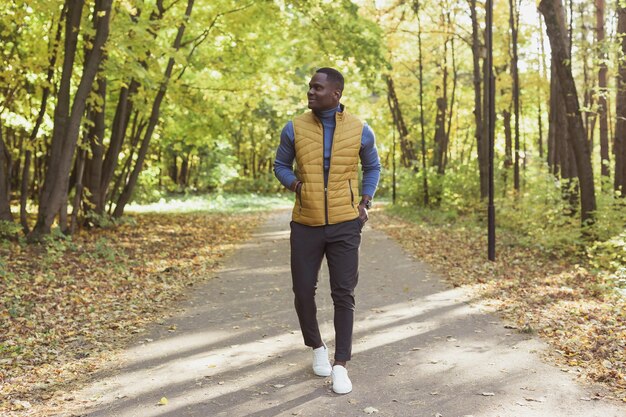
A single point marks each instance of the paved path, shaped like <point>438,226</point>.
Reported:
<point>420,349</point>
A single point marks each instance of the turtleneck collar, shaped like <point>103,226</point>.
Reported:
<point>329,114</point>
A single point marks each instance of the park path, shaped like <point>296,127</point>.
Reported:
<point>421,348</point>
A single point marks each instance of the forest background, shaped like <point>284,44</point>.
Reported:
<point>104,103</point>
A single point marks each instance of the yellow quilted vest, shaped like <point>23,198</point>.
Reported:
<point>338,202</point>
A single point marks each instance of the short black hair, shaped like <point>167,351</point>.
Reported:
<point>333,75</point>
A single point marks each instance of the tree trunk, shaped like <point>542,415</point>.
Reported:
<point>440,137</point>
<point>553,117</point>
<point>540,125</point>
<point>453,95</point>
<point>553,13</point>
<point>407,153</point>
<point>481,130</point>
<point>508,139</point>
<point>105,167</point>
<point>5,191</point>
<point>78,194</point>
<point>94,164</point>
<point>514,23</point>
<point>53,48</point>
<point>174,167</point>
<point>137,132</point>
<point>67,123</point>
<point>620,110</point>
<point>544,74</point>
<point>421,101</point>
<point>602,90</point>
<point>154,118</point>
<point>184,170</point>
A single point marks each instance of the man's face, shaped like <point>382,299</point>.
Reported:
<point>323,94</point>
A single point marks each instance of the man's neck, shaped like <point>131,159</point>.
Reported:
<point>328,114</point>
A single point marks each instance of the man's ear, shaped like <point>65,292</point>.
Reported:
<point>338,94</point>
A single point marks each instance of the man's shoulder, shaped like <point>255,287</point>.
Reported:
<point>353,122</point>
<point>288,130</point>
<point>305,116</point>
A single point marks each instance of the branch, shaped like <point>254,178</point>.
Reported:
<point>204,35</point>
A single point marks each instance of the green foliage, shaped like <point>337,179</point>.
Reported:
<point>57,243</point>
<point>265,183</point>
<point>103,249</point>
<point>610,254</point>
<point>456,191</point>
<point>538,216</point>
<point>9,230</point>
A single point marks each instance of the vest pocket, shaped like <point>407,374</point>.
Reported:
<point>300,197</point>
<point>351,193</point>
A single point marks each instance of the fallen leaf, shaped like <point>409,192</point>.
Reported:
<point>163,401</point>
<point>370,410</point>
<point>539,400</point>
<point>21,405</point>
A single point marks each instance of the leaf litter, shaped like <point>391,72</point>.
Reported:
<point>66,308</point>
<point>561,299</point>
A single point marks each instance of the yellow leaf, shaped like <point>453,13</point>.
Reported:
<point>163,401</point>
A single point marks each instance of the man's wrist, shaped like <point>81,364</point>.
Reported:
<point>366,201</point>
<point>294,185</point>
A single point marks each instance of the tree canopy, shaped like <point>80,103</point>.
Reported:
<point>103,102</point>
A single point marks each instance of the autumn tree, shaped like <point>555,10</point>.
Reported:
<point>67,116</point>
<point>553,13</point>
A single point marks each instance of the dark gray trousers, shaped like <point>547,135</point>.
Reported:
<point>340,243</point>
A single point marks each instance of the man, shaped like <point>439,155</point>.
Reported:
<point>327,143</point>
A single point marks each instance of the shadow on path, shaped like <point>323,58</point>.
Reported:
<point>420,348</point>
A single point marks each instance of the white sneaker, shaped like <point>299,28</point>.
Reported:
<point>341,382</point>
<point>321,364</point>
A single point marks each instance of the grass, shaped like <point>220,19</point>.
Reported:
<point>229,203</point>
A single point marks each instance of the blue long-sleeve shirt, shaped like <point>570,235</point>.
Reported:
<point>370,162</point>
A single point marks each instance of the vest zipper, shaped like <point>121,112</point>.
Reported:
<point>338,125</point>
<point>326,203</point>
